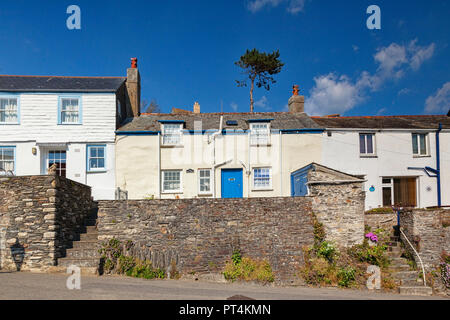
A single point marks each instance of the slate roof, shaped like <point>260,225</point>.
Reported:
<point>279,120</point>
<point>385,122</point>
<point>59,84</point>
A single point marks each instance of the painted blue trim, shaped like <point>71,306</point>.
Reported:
<point>14,96</point>
<point>80,108</point>
<point>259,120</point>
<point>301,131</point>
<point>14,156</point>
<point>438,165</point>
<point>137,133</point>
<point>58,93</point>
<point>171,121</point>
<point>88,167</point>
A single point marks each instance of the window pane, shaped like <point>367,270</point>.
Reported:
<point>8,110</point>
<point>101,152</point>
<point>171,180</point>
<point>205,180</point>
<point>69,110</point>
<point>423,146</point>
<point>415,144</point>
<point>362,144</point>
<point>369,143</point>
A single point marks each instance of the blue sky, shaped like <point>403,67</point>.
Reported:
<point>187,50</point>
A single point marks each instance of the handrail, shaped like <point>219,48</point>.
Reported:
<point>417,254</point>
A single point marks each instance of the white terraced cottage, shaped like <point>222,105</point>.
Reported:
<point>68,121</point>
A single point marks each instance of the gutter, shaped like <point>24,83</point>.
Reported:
<point>438,165</point>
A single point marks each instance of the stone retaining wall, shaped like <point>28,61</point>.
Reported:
<point>39,216</point>
<point>199,235</point>
<point>428,231</point>
<point>385,221</point>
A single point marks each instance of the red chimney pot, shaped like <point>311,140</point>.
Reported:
<point>296,90</point>
<point>133,63</point>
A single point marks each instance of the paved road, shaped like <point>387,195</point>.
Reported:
<point>53,286</point>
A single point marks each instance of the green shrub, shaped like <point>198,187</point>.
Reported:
<point>371,254</point>
<point>346,276</point>
<point>117,260</point>
<point>327,250</point>
<point>247,269</point>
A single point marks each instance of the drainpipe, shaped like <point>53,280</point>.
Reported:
<point>213,136</point>
<point>438,166</point>
<point>159,165</point>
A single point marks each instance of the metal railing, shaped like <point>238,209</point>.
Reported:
<point>417,254</point>
<point>121,194</point>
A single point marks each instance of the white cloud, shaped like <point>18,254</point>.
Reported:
<point>234,106</point>
<point>293,6</point>
<point>262,103</point>
<point>440,101</point>
<point>332,95</point>
<point>355,48</point>
<point>404,91</point>
<point>420,54</point>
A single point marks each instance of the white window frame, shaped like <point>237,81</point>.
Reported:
<point>17,109</point>
<point>13,148</point>
<point>180,190</point>
<point>427,144</point>
<point>164,134</point>
<point>374,149</point>
<point>255,187</point>
<point>60,111</point>
<point>210,181</point>
<point>255,137</point>
<point>89,157</point>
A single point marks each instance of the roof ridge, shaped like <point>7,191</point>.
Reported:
<point>83,77</point>
<point>214,113</point>
<point>374,117</point>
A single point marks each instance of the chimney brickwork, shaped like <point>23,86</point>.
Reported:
<point>196,107</point>
<point>296,102</point>
<point>133,85</point>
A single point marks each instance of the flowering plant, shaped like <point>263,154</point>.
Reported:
<point>445,273</point>
<point>372,236</point>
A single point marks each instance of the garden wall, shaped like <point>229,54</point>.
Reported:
<point>429,232</point>
<point>39,217</point>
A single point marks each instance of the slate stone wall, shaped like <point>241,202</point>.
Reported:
<point>339,206</point>
<point>385,221</point>
<point>39,216</point>
<point>429,232</point>
<point>199,235</point>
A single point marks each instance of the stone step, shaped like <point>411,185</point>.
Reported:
<point>406,275</point>
<point>416,291</point>
<point>89,236</point>
<point>81,263</point>
<point>88,229</point>
<point>84,270</point>
<point>92,244</point>
<point>411,283</point>
<point>399,268</point>
<point>82,254</point>
<point>393,244</point>
<point>394,238</point>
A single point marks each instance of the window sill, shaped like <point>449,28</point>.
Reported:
<point>422,156</point>
<point>171,192</point>
<point>260,145</point>
<point>265,189</point>
<point>97,171</point>
<point>368,156</point>
<point>172,146</point>
<point>70,124</point>
<point>205,194</point>
<point>9,124</point>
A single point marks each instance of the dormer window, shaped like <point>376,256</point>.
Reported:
<point>171,133</point>
<point>260,134</point>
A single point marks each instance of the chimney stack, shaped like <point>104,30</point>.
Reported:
<point>296,102</point>
<point>196,107</point>
<point>133,86</point>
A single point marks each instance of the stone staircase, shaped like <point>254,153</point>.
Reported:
<point>84,252</point>
<point>409,280</point>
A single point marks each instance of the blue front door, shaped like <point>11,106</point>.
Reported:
<point>232,186</point>
<point>298,183</point>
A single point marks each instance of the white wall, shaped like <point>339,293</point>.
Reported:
<point>137,161</point>
<point>39,126</point>
<point>393,157</point>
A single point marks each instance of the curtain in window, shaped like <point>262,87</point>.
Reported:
<point>7,159</point>
<point>69,110</point>
<point>8,110</point>
<point>171,181</point>
<point>205,180</point>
